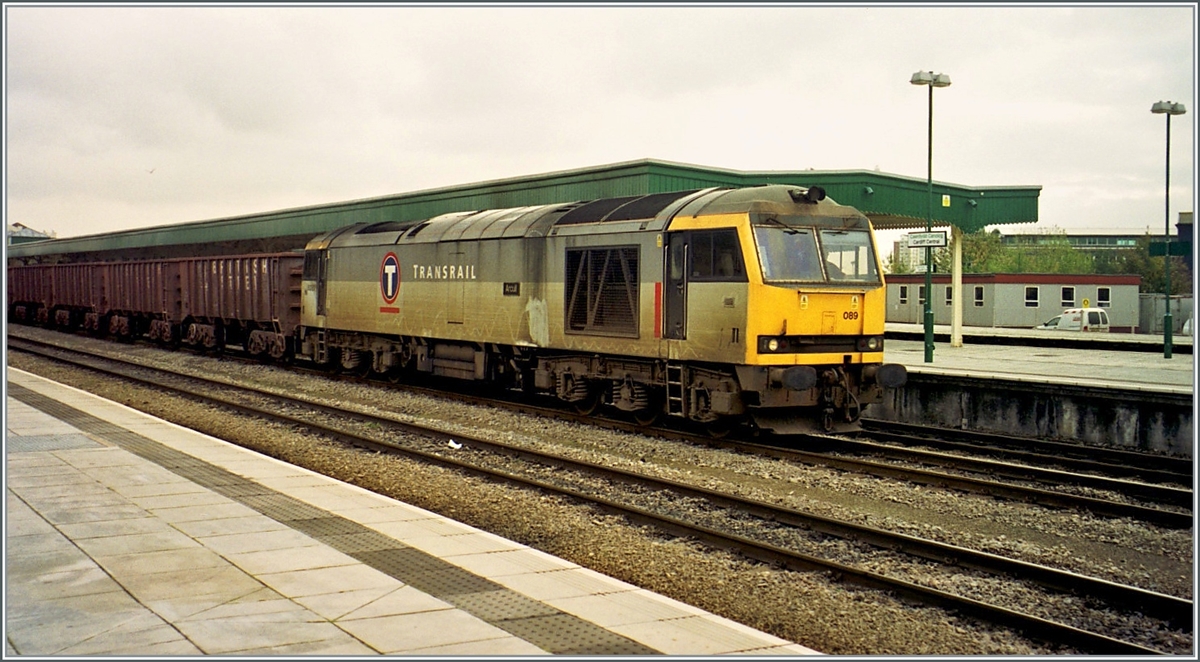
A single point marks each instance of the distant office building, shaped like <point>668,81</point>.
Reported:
<point>907,259</point>
<point>1095,242</point>
<point>1086,241</point>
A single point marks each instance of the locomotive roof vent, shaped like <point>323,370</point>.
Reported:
<point>812,194</point>
<point>629,208</point>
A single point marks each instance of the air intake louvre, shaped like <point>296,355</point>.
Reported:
<point>602,291</point>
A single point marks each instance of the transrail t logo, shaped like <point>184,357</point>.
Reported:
<point>389,277</point>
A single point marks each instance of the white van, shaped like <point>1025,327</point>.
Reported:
<point>1078,319</point>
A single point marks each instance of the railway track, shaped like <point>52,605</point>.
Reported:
<point>1036,483</point>
<point>1180,498</point>
<point>771,523</point>
<point>1147,467</point>
<point>1035,470</point>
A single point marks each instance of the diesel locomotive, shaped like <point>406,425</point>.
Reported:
<point>762,304</point>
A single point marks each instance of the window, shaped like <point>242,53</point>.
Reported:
<point>848,255</point>
<point>979,296</point>
<point>1068,296</point>
<point>316,266</point>
<point>949,295</point>
<point>1104,297</point>
<point>312,264</point>
<point>788,254</point>
<point>792,254</point>
<point>602,291</point>
<point>717,256</point>
<point>903,294</point>
<point>1031,297</point>
<point>921,295</point>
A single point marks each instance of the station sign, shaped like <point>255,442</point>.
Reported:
<point>926,240</point>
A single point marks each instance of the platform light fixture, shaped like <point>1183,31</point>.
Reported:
<point>931,80</point>
<point>1167,108</point>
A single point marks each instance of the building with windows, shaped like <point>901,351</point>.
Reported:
<point>1084,241</point>
<point>1015,300</point>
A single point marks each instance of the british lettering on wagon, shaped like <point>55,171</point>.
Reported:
<point>444,272</point>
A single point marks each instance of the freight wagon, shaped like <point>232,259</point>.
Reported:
<point>249,300</point>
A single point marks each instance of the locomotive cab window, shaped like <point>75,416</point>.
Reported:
<point>788,254</point>
<point>802,254</point>
<point>849,256</point>
<point>312,262</point>
<point>316,266</point>
<point>716,256</point>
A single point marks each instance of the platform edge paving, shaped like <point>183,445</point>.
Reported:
<point>536,622</point>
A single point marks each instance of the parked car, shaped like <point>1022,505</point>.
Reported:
<point>1078,319</point>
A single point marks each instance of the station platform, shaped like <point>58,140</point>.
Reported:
<point>1014,361</point>
<point>128,535</point>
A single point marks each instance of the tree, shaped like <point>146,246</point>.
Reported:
<point>896,265</point>
<point>981,252</point>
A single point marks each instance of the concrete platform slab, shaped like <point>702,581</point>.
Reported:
<point>131,536</point>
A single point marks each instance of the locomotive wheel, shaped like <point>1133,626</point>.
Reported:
<point>588,405</point>
<point>648,416</point>
<point>718,429</point>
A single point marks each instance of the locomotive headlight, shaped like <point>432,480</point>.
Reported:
<point>773,345</point>
<point>870,344</point>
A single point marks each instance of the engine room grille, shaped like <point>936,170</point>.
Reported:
<point>602,291</point>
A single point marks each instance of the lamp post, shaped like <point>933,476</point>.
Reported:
<point>932,80</point>
<point>1167,108</point>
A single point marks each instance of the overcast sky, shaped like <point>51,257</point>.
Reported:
<point>126,117</point>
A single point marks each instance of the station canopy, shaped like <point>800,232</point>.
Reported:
<point>890,201</point>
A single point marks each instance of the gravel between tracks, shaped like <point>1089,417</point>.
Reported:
<point>804,607</point>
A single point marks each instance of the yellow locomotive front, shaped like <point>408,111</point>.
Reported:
<point>814,312</point>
